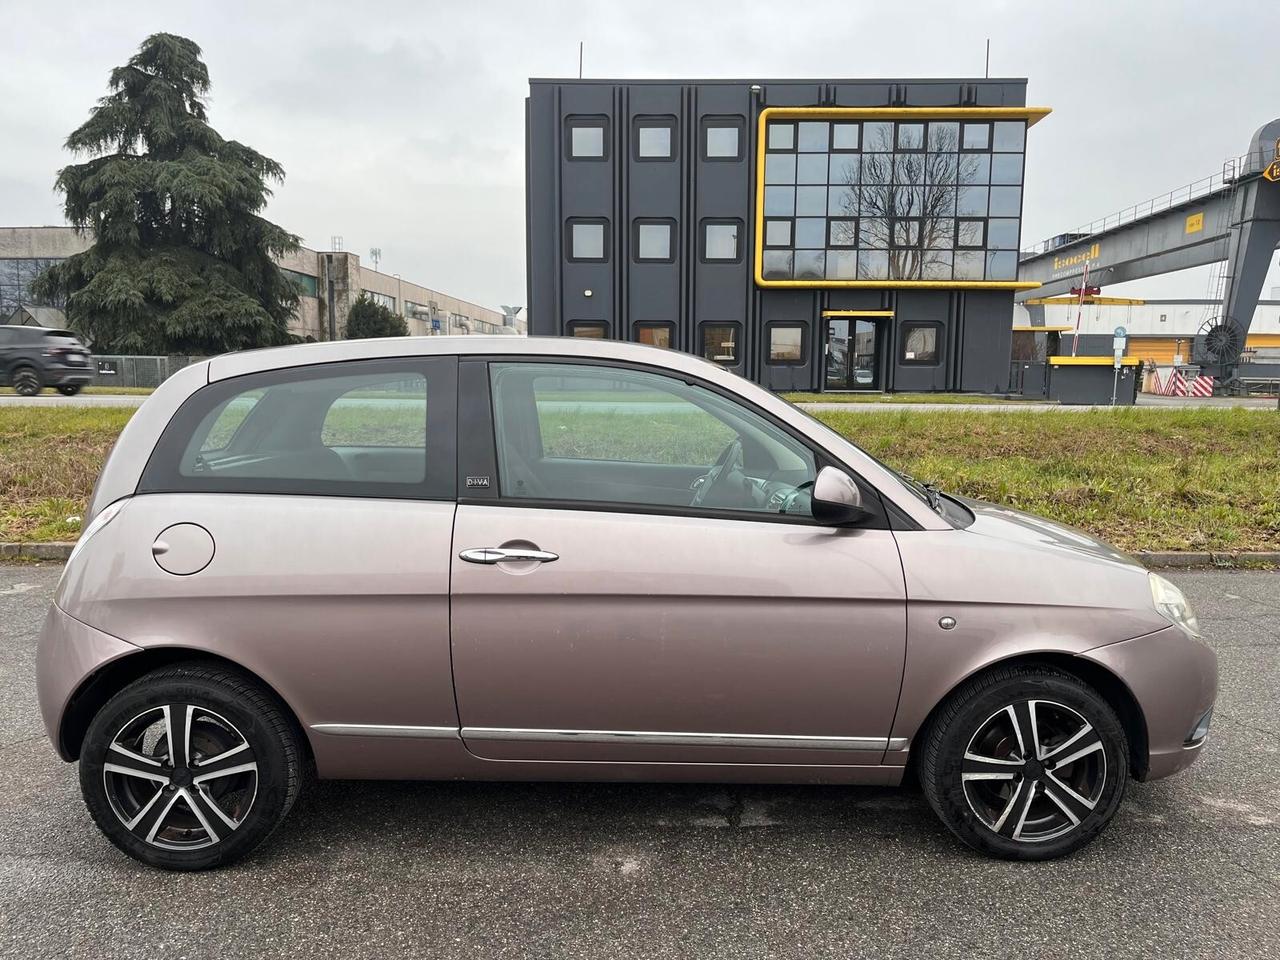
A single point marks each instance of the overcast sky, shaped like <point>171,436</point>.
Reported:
<point>400,125</point>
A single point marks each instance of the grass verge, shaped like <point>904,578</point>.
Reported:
<point>91,389</point>
<point>1206,479</point>
<point>960,398</point>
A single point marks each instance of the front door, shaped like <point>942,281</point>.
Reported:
<point>650,585</point>
<point>851,357</point>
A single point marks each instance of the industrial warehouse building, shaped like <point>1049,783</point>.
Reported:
<point>810,235</point>
<point>328,281</point>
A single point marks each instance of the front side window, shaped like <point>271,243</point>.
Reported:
<point>601,435</point>
<point>377,428</point>
<point>920,343</point>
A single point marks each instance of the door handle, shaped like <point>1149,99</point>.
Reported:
<point>500,554</point>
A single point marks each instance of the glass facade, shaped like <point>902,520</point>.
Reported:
<point>16,276</point>
<point>384,299</point>
<point>884,200</point>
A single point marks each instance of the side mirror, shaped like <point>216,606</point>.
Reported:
<point>837,501</point>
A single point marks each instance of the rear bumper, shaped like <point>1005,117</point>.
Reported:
<point>1174,679</point>
<point>59,374</point>
<point>68,654</point>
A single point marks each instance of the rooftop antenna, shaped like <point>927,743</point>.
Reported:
<point>579,59</point>
<point>987,70</point>
<point>375,254</point>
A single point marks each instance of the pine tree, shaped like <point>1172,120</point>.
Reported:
<point>181,260</point>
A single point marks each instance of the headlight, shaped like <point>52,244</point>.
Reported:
<point>1173,605</point>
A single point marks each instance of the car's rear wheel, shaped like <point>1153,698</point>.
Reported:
<point>69,389</point>
<point>26,381</point>
<point>1025,763</point>
<point>190,767</point>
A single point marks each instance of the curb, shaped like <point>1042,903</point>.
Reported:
<point>1168,559</point>
<point>59,551</point>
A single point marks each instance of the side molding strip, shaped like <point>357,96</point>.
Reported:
<point>767,741</point>
<point>384,730</point>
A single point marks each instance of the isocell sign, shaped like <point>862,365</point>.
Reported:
<point>1077,259</point>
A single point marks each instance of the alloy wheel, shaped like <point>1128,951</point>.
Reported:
<point>180,777</point>
<point>26,383</point>
<point>1034,770</point>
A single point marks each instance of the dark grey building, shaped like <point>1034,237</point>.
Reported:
<point>811,235</point>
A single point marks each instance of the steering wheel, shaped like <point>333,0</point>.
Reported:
<point>728,463</point>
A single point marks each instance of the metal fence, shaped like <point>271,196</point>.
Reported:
<point>124,371</point>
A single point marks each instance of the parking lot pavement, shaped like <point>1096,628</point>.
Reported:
<point>1189,868</point>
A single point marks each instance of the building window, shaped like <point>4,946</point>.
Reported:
<point>975,136</point>
<point>720,343</point>
<point>786,343</point>
<point>916,189</point>
<point>970,234</point>
<point>722,138</point>
<point>845,136</point>
<point>586,138</point>
<point>589,329</point>
<point>655,334</point>
<point>721,241</point>
<point>781,136</point>
<point>653,240</point>
<point>655,138</point>
<point>777,233</point>
<point>308,286</point>
<point>920,343</point>
<point>382,299</point>
<point>588,240</point>
<point>842,232</point>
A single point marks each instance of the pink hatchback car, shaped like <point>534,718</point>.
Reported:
<point>506,559</point>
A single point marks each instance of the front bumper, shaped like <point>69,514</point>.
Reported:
<point>68,654</point>
<point>1174,679</point>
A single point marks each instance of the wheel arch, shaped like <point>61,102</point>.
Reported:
<point>1111,688</point>
<point>112,677</point>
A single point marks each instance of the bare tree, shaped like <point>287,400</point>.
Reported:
<point>905,202</point>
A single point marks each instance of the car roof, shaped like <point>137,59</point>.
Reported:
<point>28,328</point>
<point>275,358</point>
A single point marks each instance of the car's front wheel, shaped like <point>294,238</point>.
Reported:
<point>190,767</point>
<point>1025,763</point>
<point>26,382</point>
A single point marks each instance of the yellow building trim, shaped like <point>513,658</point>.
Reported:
<point>1093,361</point>
<point>1072,301</point>
<point>1262,340</point>
<point>857,313</point>
<point>1023,328</point>
<point>1030,114</point>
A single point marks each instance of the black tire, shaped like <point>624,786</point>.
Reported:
<point>226,709</point>
<point>69,389</point>
<point>1066,804</point>
<point>27,381</point>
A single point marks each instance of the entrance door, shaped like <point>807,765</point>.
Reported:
<point>851,357</point>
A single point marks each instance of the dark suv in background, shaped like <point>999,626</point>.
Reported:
<point>36,357</point>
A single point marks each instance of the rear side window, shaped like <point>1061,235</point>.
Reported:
<point>373,428</point>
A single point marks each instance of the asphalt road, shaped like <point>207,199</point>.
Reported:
<point>1189,868</point>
